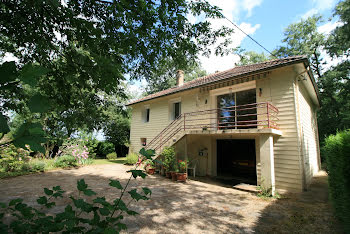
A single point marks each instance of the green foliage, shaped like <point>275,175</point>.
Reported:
<point>37,166</point>
<point>132,158</point>
<point>112,156</point>
<point>252,57</point>
<point>168,155</point>
<point>104,148</point>
<point>95,215</point>
<point>338,43</point>
<point>66,161</point>
<point>337,151</point>
<point>303,38</point>
<point>149,163</point>
<point>164,76</point>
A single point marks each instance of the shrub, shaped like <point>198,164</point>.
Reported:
<point>112,156</point>
<point>132,158</point>
<point>337,153</point>
<point>37,166</point>
<point>76,148</point>
<point>104,148</point>
<point>66,161</point>
<point>169,160</point>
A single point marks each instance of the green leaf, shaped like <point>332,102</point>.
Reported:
<point>121,226</point>
<point>131,212</point>
<point>89,192</point>
<point>101,200</point>
<point>48,191</point>
<point>31,134</point>
<point>104,211</point>
<point>147,153</point>
<point>81,204</point>
<point>136,173</point>
<point>81,185</point>
<point>2,205</point>
<point>30,73</point>
<point>38,103</point>
<point>57,188</point>
<point>121,205</point>
<point>4,128</point>
<point>135,195</point>
<point>15,201</point>
<point>51,204</point>
<point>116,184</point>
<point>110,230</point>
<point>8,71</point>
<point>147,191</point>
<point>42,200</point>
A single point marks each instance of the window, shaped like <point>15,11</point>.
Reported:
<point>177,110</point>
<point>147,115</point>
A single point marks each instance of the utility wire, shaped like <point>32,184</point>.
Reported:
<point>249,36</point>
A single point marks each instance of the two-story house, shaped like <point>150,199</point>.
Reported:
<point>256,122</point>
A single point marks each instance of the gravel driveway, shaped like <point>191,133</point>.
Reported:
<point>193,207</point>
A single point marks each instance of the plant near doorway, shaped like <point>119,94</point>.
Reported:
<point>182,174</point>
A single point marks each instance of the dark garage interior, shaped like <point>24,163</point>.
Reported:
<point>236,161</point>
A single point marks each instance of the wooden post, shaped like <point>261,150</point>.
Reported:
<point>184,121</point>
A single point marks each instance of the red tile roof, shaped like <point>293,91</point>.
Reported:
<point>231,73</point>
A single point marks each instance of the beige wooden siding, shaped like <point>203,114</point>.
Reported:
<point>278,88</point>
<point>160,116</point>
<point>308,131</point>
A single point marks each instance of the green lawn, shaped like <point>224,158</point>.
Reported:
<point>106,161</point>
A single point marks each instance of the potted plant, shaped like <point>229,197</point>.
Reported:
<point>174,173</point>
<point>169,158</point>
<point>182,175</point>
<point>149,167</point>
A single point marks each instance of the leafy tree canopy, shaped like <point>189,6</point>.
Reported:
<point>73,53</point>
<point>252,57</point>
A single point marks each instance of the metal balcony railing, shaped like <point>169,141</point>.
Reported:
<point>254,115</point>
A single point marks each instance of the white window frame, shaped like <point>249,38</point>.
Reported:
<point>171,112</point>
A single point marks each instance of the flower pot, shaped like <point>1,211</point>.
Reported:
<point>168,174</point>
<point>173,176</point>
<point>181,177</point>
<point>162,171</point>
<point>151,171</point>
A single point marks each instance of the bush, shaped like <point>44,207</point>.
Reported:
<point>169,161</point>
<point>37,166</point>
<point>112,156</point>
<point>104,148</point>
<point>132,158</point>
<point>337,154</point>
<point>66,161</point>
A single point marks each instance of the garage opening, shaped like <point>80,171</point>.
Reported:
<point>236,160</point>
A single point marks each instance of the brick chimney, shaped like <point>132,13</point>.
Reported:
<point>179,78</point>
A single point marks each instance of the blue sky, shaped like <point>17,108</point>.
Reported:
<point>275,16</point>
<point>265,21</point>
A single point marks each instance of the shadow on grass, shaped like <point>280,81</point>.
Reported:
<point>107,161</point>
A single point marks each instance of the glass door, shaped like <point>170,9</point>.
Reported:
<point>233,111</point>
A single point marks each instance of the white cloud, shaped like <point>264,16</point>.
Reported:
<point>319,6</point>
<point>248,5</point>
<point>328,27</point>
<point>231,9</point>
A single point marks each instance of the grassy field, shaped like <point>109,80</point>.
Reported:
<point>106,161</point>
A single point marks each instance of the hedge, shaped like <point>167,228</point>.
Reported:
<point>337,153</point>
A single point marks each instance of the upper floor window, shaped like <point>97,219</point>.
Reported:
<point>146,114</point>
<point>177,110</point>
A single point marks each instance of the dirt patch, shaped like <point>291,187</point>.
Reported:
<point>193,207</point>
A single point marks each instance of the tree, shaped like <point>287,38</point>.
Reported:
<point>339,40</point>
<point>164,76</point>
<point>302,38</point>
<point>252,57</point>
<point>78,51</point>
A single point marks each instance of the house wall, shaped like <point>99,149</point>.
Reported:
<point>279,89</point>
<point>160,115</point>
<point>308,133</point>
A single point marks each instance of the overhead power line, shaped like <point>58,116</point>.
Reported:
<point>249,36</point>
